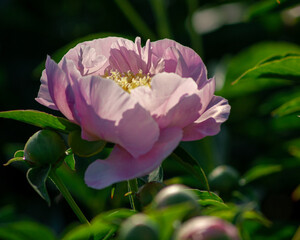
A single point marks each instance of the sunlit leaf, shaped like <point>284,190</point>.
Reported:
<point>272,74</point>
<point>70,161</point>
<point>40,119</point>
<point>37,178</point>
<point>86,232</point>
<point>255,54</point>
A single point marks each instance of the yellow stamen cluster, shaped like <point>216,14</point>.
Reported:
<point>129,80</point>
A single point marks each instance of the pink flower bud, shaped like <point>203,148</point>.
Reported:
<point>207,228</point>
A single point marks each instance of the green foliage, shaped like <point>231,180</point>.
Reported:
<point>37,178</point>
<point>40,119</point>
<point>25,230</point>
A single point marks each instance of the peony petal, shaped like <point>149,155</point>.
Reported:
<point>59,88</point>
<point>206,93</point>
<point>102,50</point>
<point>44,97</point>
<point>195,67</point>
<point>107,112</point>
<point>209,122</point>
<point>172,100</point>
<point>120,165</point>
<point>128,56</point>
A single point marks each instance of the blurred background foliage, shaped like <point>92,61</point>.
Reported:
<point>256,42</point>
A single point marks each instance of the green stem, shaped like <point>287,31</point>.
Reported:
<point>196,40</point>
<point>65,192</point>
<point>137,22</point>
<point>162,20</point>
<point>133,188</point>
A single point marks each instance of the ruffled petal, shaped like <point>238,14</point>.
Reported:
<point>44,97</point>
<point>165,49</point>
<point>59,88</point>
<point>120,165</point>
<point>106,111</point>
<point>128,56</point>
<point>96,64</point>
<point>209,122</point>
<point>171,100</point>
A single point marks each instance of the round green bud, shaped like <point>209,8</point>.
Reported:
<point>175,194</point>
<point>223,178</point>
<point>84,148</point>
<point>44,147</point>
<point>137,227</point>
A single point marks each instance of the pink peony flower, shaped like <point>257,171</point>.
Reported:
<point>207,228</point>
<point>144,99</point>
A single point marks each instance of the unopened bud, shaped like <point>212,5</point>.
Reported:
<point>44,147</point>
<point>207,228</point>
<point>137,227</point>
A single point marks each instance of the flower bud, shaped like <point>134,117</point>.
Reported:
<point>175,194</point>
<point>84,148</point>
<point>223,178</point>
<point>44,147</point>
<point>137,227</point>
<point>207,228</point>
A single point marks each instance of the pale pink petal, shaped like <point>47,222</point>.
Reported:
<point>44,97</point>
<point>102,50</point>
<point>209,122</point>
<point>106,111</point>
<point>59,88</point>
<point>120,165</point>
<point>128,56</point>
<point>171,100</point>
<point>206,93</point>
<point>164,49</point>
<point>90,61</point>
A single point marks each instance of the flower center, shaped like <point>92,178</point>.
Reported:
<point>129,80</point>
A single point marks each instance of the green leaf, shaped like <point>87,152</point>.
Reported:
<point>102,226</point>
<point>271,74</point>
<point>260,171</point>
<point>25,230</point>
<point>167,218</point>
<point>208,198</point>
<point>205,195</point>
<point>268,168</point>
<point>70,161</point>
<point>190,164</point>
<point>114,217</point>
<point>40,119</point>
<point>37,179</point>
<point>255,54</point>
<point>289,107</point>
<point>256,216</point>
